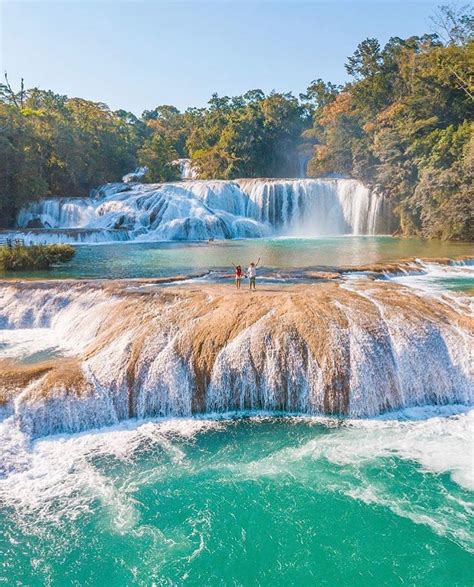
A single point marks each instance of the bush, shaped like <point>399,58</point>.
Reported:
<point>21,257</point>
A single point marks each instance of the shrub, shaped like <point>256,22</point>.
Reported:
<point>21,257</point>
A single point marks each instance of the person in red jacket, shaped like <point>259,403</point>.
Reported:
<point>238,275</point>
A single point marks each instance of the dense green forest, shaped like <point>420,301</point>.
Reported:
<point>403,125</point>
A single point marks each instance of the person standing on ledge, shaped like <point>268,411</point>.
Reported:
<point>252,273</point>
<point>238,275</point>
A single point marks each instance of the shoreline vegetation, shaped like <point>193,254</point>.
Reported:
<point>20,257</point>
<point>403,125</point>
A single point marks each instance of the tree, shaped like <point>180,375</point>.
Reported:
<point>403,125</point>
<point>157,154</point>
<point>319,94</point>
<point>366,60</point>
<point>454,24</point>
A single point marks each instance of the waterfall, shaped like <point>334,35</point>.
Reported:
<point>58,213</point>
<point>135,175</point>
<point>79,355</point>
<point>303,159</point>
<point>199,210</point>
<point>314,207</point>
<point>186,168</point>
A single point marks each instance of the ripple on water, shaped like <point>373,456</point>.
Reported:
<point>168,498</point>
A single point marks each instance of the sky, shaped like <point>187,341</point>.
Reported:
<point>137,55</point>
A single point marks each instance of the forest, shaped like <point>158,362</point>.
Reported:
<point>403,125</point>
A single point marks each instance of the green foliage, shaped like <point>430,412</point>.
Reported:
<point>366,61</point>
<point>157,154</point>
<point>443,200</point>
<point>403,125</point>
<point>247,136</point>
<point>454,24</point>
<point>20,257</point>
<point>319,94</point>
<point>53,145</point>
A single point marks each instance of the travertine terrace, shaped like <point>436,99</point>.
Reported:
<point>128,348</point>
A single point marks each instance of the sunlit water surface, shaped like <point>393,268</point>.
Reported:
<point>125,260</point>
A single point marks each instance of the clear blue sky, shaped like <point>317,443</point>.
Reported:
<point>137,55</point>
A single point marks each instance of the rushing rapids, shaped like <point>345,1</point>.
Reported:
<point>199,210</point>
<point>77,355</point>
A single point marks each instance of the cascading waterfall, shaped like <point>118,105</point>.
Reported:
<point>135,175</point>
<point>314,207</point>
<point>186,168</point>
<point>199,210</point>
<point>58,213</point>
<point>80,355</point>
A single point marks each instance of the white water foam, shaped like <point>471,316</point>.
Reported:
<point>56,479</point>
<point>433,277</point>
<point>438,442</point>
<point>186,168</point>
<point>385,355</point>
<point>199,210</point>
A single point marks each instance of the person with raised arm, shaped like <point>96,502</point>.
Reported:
<point>252,274</point>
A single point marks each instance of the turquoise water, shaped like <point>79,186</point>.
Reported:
<point>123,260</point>
<point>257,501</point>
<point>442,278</point>
<point>262,501</point>
<point>460,284</point>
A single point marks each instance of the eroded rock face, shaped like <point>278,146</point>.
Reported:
<point>357,348</point>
